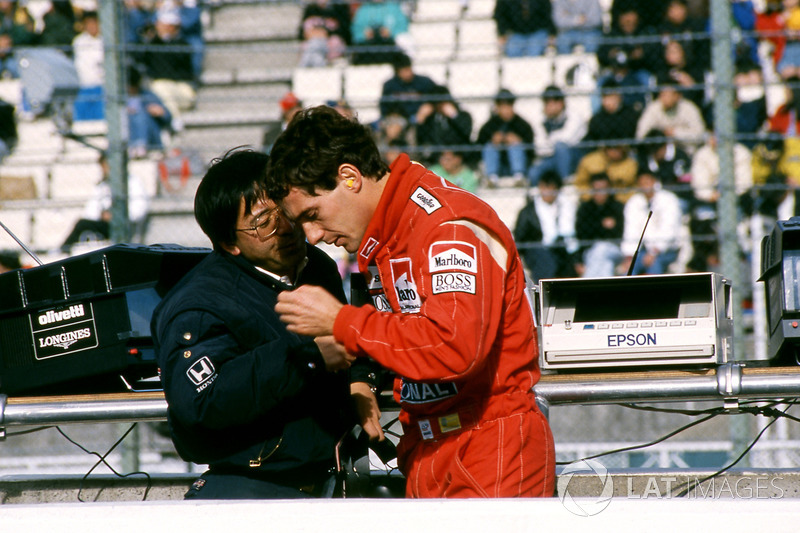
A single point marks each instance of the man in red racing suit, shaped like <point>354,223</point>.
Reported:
<point>451,317</point>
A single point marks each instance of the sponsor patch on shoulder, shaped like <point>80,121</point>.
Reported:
<point>425,200</point>
<point>368,247</point>
<point>452,255</point>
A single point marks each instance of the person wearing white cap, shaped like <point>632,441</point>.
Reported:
<point>168,63</point>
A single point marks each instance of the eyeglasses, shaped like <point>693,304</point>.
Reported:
<point>266,224</point>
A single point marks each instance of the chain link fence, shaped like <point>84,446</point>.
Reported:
<point>568,117</point>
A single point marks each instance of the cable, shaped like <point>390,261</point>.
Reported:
<point>26,431</point>
<point>690,485</point>
<point>651,443</point>
<point>102,460</point>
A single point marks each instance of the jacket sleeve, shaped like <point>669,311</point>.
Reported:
<point>458,319</point>
<point>215,376</point>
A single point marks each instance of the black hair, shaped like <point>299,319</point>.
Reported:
<point>315,143</point>
<point>551,177</point>
<point>599,176</point>
<point>237,175</point>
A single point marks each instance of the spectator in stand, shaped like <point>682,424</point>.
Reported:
<point>380,29</point>
<point>290,105</point>
<point>95,223</point>
<point>9,64</point>
<point>579,22</point>
<point>59,26</point>
<point>168,63</point>
<point>88,55</point>
<point>769,27</point>
<point>615,119</point>
<point>324,31</point>
<point>629,42</point>
<point>780,152</point>
<point>662,241</point>
<point>148,118</point>
<point>506,140</point>
<point>789,65</point>
<point>524,27</point>
<point>650,14</point>
<point>613,159</point>
<point>545,230</point>
<point>406,91</point>
<point>191,30</point>
<point>745,43</point>
<point>705,171</point>
<point>17,22</point>
<point>691,33</point>
<point>556,136</point>
<point>750,103</point>
<point>667,162</point>
<point>598,227</point>
<point>689,77</point>
<point>633,82</point>
<point>441,125</point>
<point>451,167</point>
<point>676,116</point>
<point>139,18</point>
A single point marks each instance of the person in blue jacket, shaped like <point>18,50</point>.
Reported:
<point>262,407</point>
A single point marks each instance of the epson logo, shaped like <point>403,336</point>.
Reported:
<point>66,339</point>
<point>54,317</point>
<point>452,261</point>
<point>641,339</point>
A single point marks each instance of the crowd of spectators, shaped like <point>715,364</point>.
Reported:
<point>647,142</point>
<point>163,70</point>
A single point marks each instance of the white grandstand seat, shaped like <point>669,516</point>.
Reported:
<point>436,71</point>
<point>480,111</point>
<point>11,91</point>
<point>470,79</point>
<point>52,225</point>
<point>531,109</point>
<point>433,41</point>
<point>577,71</point>
<point>39,173</point>
<point>317,85</point>
<point>147,171</point>
<point>477,39</point>
<point>436,10</point>
<point>18,221</point>
<point>74,181</point>
<point>363,84</point>
<point>580,104</point>
<point>38,140</point>
<point>479,9</point>
<point>368,114</point>
<point>526,76</point>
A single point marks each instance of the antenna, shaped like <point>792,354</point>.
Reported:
<point>639,246</point>
<point>28,250</point>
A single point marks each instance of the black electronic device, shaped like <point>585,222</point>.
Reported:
<point>82,324</point>
<point>780,271</point>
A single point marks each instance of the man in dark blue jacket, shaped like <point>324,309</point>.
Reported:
<point>264,408</point>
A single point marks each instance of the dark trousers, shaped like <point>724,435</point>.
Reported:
<point>214,486</point>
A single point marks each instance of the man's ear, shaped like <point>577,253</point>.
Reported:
<point>350,176</point>
<point>230,248</point>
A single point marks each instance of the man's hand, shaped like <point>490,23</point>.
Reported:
<point>368,412</point>
<point>308,310</point>
<point>336,358</point>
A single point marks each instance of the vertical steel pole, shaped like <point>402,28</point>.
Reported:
<point>111,28</point>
